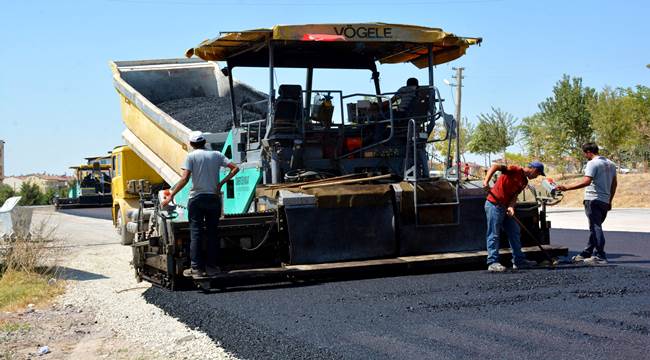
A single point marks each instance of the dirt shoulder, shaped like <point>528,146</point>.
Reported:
<point>102,313</point>
<point>61,332</point>
<point>633,191</point>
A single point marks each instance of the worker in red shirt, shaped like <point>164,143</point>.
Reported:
<point>500,208</point>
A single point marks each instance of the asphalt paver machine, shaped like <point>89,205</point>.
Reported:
<point>91,187</point>
<point>330,181</point>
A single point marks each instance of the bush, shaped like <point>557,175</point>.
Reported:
<point>31,194</point>
<point>5,193</point>
<point>30,251</point>
<point>28,267</point>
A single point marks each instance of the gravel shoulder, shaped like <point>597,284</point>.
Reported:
<point>103,313</point>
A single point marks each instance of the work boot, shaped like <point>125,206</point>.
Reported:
<point>212,270</point>
<point>596,260</point>
<point>524,264</point>
<point>194,273</point>
<point>496,267</point>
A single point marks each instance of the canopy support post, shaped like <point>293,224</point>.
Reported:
<point>309,85</point>
<point>271,88</point>
<point>235,123</point>
<point>432,97</point>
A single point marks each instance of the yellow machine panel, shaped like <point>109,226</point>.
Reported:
<point>122,173</point>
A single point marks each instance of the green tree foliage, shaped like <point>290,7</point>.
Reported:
<point>637,107</point>
<point>566,119</point>
<point>618,119</point>
<point>31,194</point>
<point>5,193</point>
<point>611,122</point>
<point>536,136</point>
<point>466,131</point>
<point>494,133</point>
<point>519,159</point>
<point>48,195</point>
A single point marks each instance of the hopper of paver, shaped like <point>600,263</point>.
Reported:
<point>162,101</point>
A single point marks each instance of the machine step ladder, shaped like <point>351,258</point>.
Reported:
<point>411,175</point>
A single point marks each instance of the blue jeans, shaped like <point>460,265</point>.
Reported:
<point>204,211</point>
<point>496,221</point>
<point>596,211</point>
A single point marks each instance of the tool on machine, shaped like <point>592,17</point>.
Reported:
<point>550,186</point>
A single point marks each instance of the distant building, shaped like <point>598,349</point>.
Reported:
<point>44,181</point>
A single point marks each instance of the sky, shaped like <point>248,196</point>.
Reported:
<point>58,104</point>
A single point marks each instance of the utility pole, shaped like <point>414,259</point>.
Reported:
<point>459,87</point>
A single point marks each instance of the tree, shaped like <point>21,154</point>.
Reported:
<point>31,194</point>
<point>566,117</point>
<point>611,123</point>
<point>519,159</point>
<point>637,106</point>
<point>5,193</point>
<point>48,195</point>
<point>494,133</point>
<point>466,131</point>
<point>535,136</point>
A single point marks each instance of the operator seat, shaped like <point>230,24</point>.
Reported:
<point>419,107</point>
<point>288,112</point>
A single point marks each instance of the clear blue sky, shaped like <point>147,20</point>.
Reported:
<point>58,105</point>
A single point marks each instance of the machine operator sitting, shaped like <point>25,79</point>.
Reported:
<point>404,97</point>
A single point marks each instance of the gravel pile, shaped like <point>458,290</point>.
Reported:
<point>214,114</point>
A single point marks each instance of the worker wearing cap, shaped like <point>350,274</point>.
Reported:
<point>500,208</point>
<point>204,205</point>
<point>600,186</point>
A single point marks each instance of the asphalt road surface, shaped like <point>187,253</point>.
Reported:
<point>622,247</point>
<point>577,313</point>
<point>574,312</point>
<point>95,213</point>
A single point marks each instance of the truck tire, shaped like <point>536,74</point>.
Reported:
<point>126,238</point>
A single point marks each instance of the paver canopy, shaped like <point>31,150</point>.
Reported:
<point>334,46</point>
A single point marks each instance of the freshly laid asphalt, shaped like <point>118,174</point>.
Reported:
<point>576,313</point>
<point>565,313</point>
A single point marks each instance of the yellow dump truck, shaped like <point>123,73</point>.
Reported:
<point>128,168</point>
<point>329,180</point>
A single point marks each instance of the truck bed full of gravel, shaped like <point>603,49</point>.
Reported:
<point>213,114</point>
